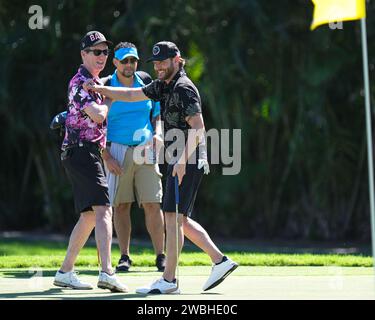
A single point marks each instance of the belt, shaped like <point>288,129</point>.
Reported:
<point>86,145</point>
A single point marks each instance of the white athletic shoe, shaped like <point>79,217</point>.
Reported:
<point>70,280</point>
<point>219,272</point>
<point>111,282</point>
<point>160,286</point>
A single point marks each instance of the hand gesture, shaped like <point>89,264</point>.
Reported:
<point>89,85</point>
<point>113,166</point>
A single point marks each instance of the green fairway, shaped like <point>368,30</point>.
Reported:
<point>50,254</point>
<point>243,284</point>
<point>27,269</point>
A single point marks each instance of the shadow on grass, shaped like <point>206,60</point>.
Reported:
<point>62,294</point>
<point>210,294</point>
<point>25,274</point>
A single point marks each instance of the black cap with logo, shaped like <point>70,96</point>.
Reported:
<point>164,50</point>
<point>93,38</point>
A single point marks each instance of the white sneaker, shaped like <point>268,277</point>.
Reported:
<point>219,272</point>
<point>111,282</point>
<point>70,280</point>
<point>160,286</point>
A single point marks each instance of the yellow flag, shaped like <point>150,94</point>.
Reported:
<point>327,11</point>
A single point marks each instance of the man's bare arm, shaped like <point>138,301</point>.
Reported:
<point>97,112</point>
<point>112,164</point>
<point>156,124</point>
<point>120,94</point>
<point>195,136</point>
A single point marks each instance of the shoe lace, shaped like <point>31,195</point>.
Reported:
<point>73,275</point>
<point>159,280</point>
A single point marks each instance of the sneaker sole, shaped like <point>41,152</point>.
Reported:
<point>122,269</point>
<point>157,291</point>
<point>64,285</point>
<point>217,282</point>
<point>105,285</point>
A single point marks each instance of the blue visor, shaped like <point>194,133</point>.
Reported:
<point>123,53</point>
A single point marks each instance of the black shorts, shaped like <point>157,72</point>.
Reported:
<point>85,170</point>
<point>187,190</point>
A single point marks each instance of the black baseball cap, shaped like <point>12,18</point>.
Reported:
<point>93,38</point>
<point>164,50</point>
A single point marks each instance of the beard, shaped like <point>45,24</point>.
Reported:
<point>167,73</point>
<point>127,74</point>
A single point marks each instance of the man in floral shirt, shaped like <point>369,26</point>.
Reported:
<point>85,138</point>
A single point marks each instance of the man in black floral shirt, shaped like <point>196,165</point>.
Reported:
<point>181,111</point>
<point>85,137</point>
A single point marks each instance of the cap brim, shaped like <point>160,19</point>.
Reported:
<point>101,41</point>
<point>157,59</point>
<point>127,55</point>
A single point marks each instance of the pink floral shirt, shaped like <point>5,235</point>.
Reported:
<point>78,126</point>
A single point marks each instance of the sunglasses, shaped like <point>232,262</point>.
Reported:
<point>129,60</point>
<point>98,52</point>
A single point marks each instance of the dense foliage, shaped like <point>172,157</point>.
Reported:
<point>297,95</point>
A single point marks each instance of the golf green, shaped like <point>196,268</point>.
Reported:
<point>245,283</point>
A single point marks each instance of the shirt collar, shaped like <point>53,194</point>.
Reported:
<point>86,73</point>
<point>180,73</point>
<point>118,83</point>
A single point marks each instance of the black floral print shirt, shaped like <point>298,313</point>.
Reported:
<point>178,100</point>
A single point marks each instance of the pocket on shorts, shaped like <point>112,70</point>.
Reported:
<point>66,154</point>
<point>96,156</point>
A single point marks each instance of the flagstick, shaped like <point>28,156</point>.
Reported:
<point>369,134</point>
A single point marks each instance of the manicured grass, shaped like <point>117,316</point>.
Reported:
<point>246,283</point>
<point>48,254</point>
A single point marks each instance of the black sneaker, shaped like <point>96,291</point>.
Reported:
<point>124,264</point>
<point>160,262</point>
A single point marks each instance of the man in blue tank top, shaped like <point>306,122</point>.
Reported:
<point>132,127</point>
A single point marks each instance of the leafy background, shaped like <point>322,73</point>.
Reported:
<point>296,95</point>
